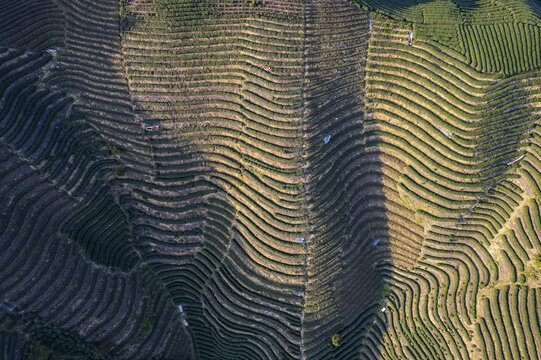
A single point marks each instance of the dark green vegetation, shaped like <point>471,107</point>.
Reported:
<point>304,183</point>
<point>493,36</point>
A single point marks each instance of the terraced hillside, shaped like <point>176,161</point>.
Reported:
<point>66,253</point>
<point>461,136</point>
<point>270,179</point>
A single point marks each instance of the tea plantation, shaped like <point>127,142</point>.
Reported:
<point>270,179</point>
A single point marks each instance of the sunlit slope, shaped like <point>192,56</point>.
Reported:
<point>259,125</point>
<point>493,36</point>
<point>481,12</point>
<point>224,84</point>
<point>461,134</point>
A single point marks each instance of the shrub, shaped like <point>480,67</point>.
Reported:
<point>335,339</point>
<point>145,329</point>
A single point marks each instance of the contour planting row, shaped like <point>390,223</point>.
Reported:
<point>223,91</point>
<point>506,205</point>
<point>231,138</point>
<point>509,48</point>
<point>441,12</point>
<point>459,174</point>
<point>520,121</point>
<point>37,27</point>
<point>33,116</point>
<point>13,346</point>
<point>216,286</point>
<point>509,326</point>
<point>46,273</point>
<point>338,191</point>
<point>69,156</point>
<point>412,298</point>
<point>90,67</point>
<point>216,160</point>
<point>36,124</point>
<point>501,144</point>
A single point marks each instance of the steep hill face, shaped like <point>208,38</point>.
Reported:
<point>469,144</point>
<point>260,120</point>
<point>306,179</point>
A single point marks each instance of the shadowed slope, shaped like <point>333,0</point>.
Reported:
<point>65,243</point>
<point>90,70</point>
<point>343,180</point>
<point>31,25</point>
